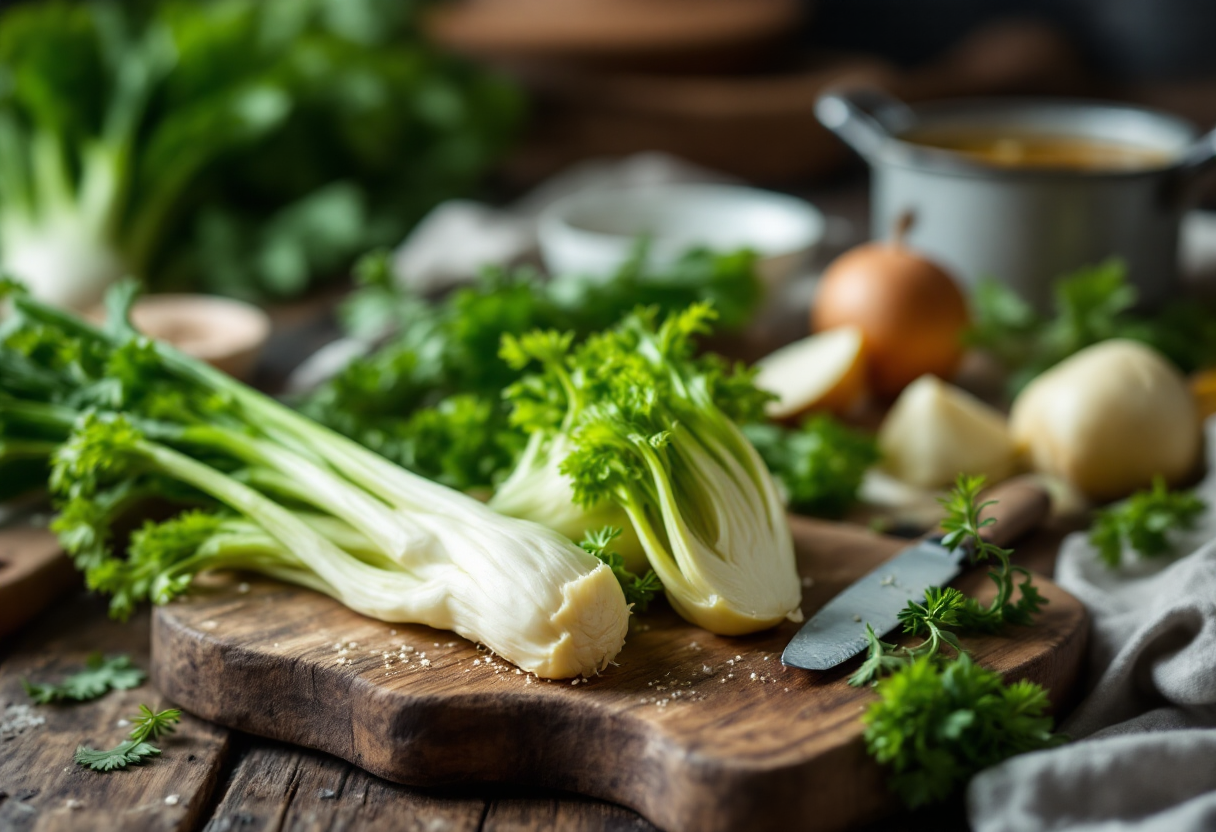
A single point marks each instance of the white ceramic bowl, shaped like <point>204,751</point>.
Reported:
<point>593,232</point>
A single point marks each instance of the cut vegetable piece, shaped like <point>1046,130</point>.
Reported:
<point>823,372</point>
<point>634,419</point>
<point>1110,419</point>
<point>936,431</point>
<point>272,492</point>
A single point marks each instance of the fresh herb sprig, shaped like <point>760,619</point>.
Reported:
<point>936,724</point>
<point>1092,304</point>
<point>149,725</point>
<point>936,721</point>
<point>821,464</point>
<point>100,675</point>
<point>1143,523</point>
<point>946,612</point>
<point>639,590</point>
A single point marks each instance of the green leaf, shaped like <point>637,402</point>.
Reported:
<point>639,590</point>
<point>129,752</point>
<point>99,676</point>
<point>151,725</point>
<point>135,750</point>
<point>881,658</point>
<point>821,464</point>
<point>933,727</point>
<point>1143,523</point>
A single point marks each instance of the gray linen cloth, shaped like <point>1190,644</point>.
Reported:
<point>1145,756</point>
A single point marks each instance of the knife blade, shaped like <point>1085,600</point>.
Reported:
<point>838,631</point>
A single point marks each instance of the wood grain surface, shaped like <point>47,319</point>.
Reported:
<point>33,571</point>
<point>42,789</point>
<point>694,731</point>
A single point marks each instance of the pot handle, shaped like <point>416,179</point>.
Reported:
<point>1199,159</point>
<point>864,118</point>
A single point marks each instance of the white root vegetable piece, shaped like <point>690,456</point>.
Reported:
<point>826,371</point>
<point>936,431</point>
<point>1109,419</point>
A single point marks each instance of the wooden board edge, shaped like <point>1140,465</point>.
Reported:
<point>427,741</point>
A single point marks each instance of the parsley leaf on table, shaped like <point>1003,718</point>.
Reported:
<point>935,726</point>
<point>99,676</point>
<point>1143,522</point>
<point>128,752</point>
<point>149,725</point>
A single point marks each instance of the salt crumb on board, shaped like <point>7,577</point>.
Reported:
<point>18,719</point>
<point>173,799</point>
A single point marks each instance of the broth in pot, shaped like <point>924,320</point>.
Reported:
<point>1019,149</point>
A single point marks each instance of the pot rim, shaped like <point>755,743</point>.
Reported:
<point>898,152</point>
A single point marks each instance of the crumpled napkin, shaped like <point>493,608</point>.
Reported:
<point>453,242</point>
<point>1145,759</point>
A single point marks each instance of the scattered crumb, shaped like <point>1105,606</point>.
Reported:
<point>738,658</point>
<point>707,670</point>
<point>209,624</point>
<point>326,794</point>
<point>575,682</point>
<point>74,804</point>
<point>450,644</point>
<point>857,618</point>
<point>341,660</point>
<point>477,662</point>
<point>172,799</point>
<point>18,719</point>
<point>276,644</point>
<point>694,646</point>
<point>889,580</point>
<point>754,677</point>
<point>241,588</point>
<point>425,662</point>
<point>122,723</point>
<point>518,672</point>
<point>392,632</point>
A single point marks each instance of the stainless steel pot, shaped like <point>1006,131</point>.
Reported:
<point>1027,226</point>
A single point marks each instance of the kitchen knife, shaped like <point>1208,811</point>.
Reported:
<point>837,632</point>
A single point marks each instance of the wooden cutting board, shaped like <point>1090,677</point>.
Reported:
<point>33,571</point>
<point>694,731</point>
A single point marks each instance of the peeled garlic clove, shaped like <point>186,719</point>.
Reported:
<point>935,431</point>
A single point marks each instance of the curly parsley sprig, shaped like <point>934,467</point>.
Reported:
<point>936,724</point>
<point>947,611</point>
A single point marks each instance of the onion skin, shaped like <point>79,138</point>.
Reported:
<point>1109,419</point>
<point>911,313</point>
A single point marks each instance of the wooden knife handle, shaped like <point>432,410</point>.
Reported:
<point>1022,506</point>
